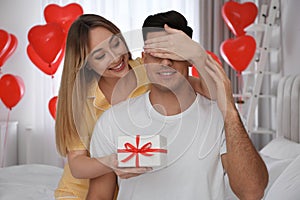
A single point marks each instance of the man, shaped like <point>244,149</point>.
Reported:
<point>206,139</point>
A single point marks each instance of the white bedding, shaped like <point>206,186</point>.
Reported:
<point>38,182</point>
<point>287,185</point>
<point>282,158</point>
<point>29,182</point>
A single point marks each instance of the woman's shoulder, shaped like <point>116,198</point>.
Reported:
<point>139,71</point>
<point>136,62</point>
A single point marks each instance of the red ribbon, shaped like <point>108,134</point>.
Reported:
<point>135,151</point>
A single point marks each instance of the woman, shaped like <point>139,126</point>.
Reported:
<point>97,61</point>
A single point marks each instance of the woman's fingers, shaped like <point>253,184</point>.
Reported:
<point>162,51</point>
<point>165,38</point>
<point>158,45</point>
<point>157,40</point>
<point>170,30</point>
<point>163,55</point>
<point>129,172</point>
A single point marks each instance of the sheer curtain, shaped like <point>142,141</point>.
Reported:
<point>213,32</point>
<point>128,15</point>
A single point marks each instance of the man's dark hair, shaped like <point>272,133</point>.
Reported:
<point>173,19</point>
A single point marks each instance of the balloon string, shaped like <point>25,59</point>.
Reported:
<point>53,85</point>
<point>5,139</point>
<point>240,87</point>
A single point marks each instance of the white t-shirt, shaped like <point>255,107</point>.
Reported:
<point>195,140</point>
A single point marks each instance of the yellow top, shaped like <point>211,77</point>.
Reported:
<point>70,187</point>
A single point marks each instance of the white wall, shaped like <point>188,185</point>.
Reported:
<point>290,36</point>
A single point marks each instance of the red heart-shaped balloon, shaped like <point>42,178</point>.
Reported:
<point>195,72</point>
<point>238,52</point>
<point>8,44</point>
<point>239,15</point>
<point>46,40</point>
<point>4,41</point>
<point>49,69</point>
<point>62,15</point>
<point>12,90</point>
<point>52,106</point>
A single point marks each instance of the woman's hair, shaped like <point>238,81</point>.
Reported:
<point>172,18</point>
<point>75,79</point>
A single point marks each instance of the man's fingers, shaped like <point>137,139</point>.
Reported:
<point>214,66</point>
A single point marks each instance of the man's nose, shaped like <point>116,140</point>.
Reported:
<point>166,62</point>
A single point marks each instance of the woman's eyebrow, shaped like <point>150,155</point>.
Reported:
<point>100,49</point>
<point>96,51</point>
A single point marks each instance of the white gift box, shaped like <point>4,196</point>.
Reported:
<point>142,151</point>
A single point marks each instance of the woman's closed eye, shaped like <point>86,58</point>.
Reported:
<point>99,57</point>
<point>115,43</point>
<point>98,54</point>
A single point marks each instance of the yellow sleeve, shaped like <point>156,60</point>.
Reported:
<point>76,144</point>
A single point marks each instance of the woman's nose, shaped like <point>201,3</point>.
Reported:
<point>112,56</point>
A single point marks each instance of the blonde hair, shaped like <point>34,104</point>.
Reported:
<point>75,77</point>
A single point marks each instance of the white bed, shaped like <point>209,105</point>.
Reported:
<point>282,154</point>
<point>29,182</point>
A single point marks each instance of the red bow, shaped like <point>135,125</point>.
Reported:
<point>135,151</point>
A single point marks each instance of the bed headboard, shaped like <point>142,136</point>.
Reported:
<point>288,108</point>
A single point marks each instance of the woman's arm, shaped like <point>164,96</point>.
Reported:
<point>82,166</point>
<point>103,187</point>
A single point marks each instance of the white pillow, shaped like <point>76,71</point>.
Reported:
<point>281,148</point>
<point>275,168</point>
<point>287,185</point>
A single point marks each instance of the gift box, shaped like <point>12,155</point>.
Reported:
<point>142,151</point>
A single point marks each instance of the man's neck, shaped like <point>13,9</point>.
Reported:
<point>168,102</point>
